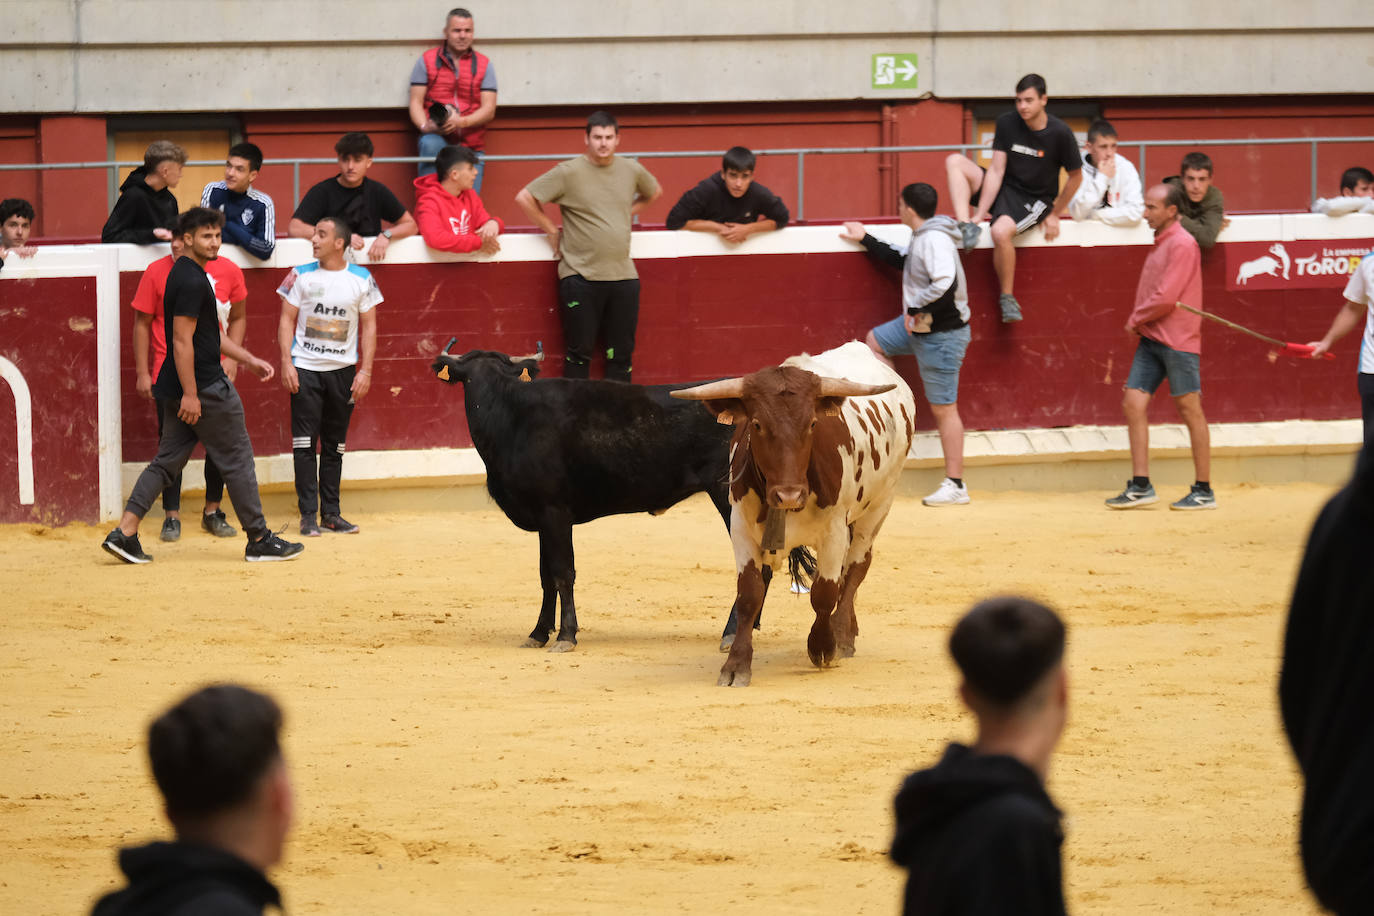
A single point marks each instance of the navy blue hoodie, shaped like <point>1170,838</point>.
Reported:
<point>185,879</point>
<point>979,836</point>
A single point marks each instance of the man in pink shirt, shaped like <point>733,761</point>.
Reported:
<point>1169,347</point>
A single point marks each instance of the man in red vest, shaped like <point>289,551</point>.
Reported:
<point>452,94</point>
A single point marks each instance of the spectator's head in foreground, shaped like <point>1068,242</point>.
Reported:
<point>603,137</point>
<point>217,760</point>
<point>1101,141</point>
<point>919,201</point>
<point>355,158</point>
<point>1357,181</point>
<point>241,167</point>
<point>456,167</point>
<point>16,221</point>
<point>1196,172</point>
<point>1010,652</point>
<point>737,170</point>
<point>1031,97</point>
<point>162,163</point>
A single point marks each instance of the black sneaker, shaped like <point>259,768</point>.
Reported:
<point>171,529</point>
<point>216,524</point>
<point>270,549</point>
<point>126,547</point>
<point>309,527</point>
<point>338,524</point>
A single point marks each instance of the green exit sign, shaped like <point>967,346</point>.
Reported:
<point>894,71</point>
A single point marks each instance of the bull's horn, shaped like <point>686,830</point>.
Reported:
<point>725,388</point>
<point>844,388</point>
<point>537,355</point>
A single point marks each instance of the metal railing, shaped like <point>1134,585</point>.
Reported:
<point>799,152</point>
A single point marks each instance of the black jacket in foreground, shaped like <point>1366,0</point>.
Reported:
<point>184,879</point>
<point>1326,691</point>
<point>978,836</point>
<point>139,211</point>
<point>711,200</point>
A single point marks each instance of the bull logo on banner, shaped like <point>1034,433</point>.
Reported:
<point>23,427</point>
<point>1265,266</point>
<point>1293,264</point>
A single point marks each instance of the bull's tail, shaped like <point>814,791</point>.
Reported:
<point>801,565</point>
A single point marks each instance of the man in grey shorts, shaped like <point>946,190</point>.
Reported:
<point>1169,347</point>
<point>933,326</point>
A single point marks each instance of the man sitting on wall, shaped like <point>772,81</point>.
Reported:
<point>146,212</point>
<point>450,214</point>
<point>1357,194</point>
<point>250,221</point>
<point>1203,214</point>
<point>730,203</point>
<point>16,219</point>
<point>361,202</point>
<point>1021,188</point>
<point>1110,191</point>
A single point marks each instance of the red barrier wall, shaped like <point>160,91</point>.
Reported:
<point>703,317</point>
<point>47,329</point>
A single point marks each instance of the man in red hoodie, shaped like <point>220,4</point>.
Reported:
<point>1170,346</point>
<point>450,213</point>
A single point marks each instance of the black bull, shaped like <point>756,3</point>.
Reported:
<point>560,452</point>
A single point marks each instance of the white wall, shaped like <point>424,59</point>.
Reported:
<point>196,55</point>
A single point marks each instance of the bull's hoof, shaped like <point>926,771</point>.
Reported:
<point>820,649</point>
<point>726,642</point>
<point>846,651</point>
<point>733,679</point>
<point>563,646</point>
<point>533,643</point>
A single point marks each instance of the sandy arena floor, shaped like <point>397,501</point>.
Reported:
<point>441,769</point>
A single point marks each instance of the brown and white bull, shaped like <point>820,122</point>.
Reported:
<point>818,448</point>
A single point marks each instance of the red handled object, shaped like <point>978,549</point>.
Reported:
<point>1291,349</point>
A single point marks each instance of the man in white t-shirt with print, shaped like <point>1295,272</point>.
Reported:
<point>1359,306</point>
<point>328,339</point>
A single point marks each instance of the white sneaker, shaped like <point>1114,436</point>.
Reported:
<point>949,494</point>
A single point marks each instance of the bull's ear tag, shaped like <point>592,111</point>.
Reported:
<point>726,418</point>
<point>443,373</point>
<point>524,375</point>
<point>833,411</point>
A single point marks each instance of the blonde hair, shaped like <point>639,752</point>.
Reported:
<point>160,151</point>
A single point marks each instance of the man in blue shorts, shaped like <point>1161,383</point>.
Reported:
<point>1021,189</point>
<point>933,326</point>
<point>1169,347</point>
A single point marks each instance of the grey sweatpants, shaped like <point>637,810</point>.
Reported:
<point>222,430</point>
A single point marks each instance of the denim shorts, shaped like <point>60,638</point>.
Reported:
<point>1154,362</point>
<point>938,355</point>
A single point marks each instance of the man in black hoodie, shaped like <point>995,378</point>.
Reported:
<point>1326,688</point>
<point>730,203</point>
<point>146,212</point>
<point>218,763</point>
<point>977,832</point>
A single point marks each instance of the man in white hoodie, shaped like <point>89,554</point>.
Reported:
<point>1111,190</point>
<point>933,325</point>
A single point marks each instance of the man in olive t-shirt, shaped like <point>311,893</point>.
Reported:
<point>598,195</point>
